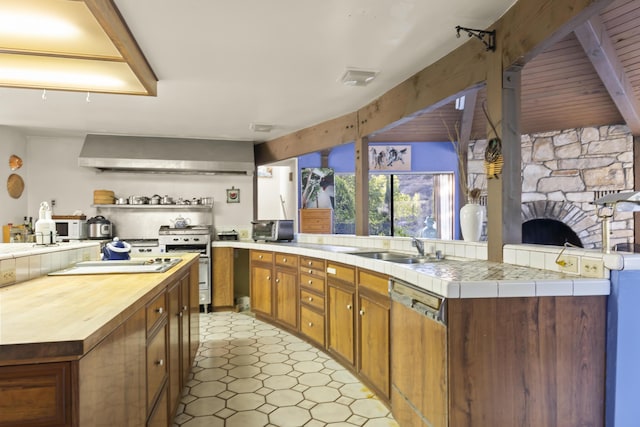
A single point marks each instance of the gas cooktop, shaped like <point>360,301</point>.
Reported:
<point>190,229</point>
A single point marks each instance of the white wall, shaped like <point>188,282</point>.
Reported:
<point>270,190</point>
<point>54,173</point>
<point>12,142</point>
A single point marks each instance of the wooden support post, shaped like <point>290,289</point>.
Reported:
<point>362,186</point>
<point>504,222</point>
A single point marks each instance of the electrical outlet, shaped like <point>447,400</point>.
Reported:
<point>244,233</point>
<point>7,277</point>
<point>592,268</point>
<point>569,264</point>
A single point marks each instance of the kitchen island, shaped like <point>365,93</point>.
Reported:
<point>509,345</point>
<point>107,349</point>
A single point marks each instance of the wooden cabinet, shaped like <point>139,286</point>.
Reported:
<point>373,323</point>
<point>316,220</point>
<point>312,299</point>
<point>340,312</point>
<point>157,352</point>
<point>36,395</point>
<point>223,279</point>
<point>419,380</point>
<point>285,290</point>
<point>535,361</point>
<point>178,339</point>
<point>261,282</point>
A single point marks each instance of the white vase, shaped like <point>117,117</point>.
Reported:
<point>471,218</point>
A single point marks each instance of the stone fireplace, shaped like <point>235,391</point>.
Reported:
<point>563,172</point>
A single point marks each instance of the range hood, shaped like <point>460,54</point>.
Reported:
<point>166,155</point>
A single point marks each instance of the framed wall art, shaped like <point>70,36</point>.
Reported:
<point>233,195</point>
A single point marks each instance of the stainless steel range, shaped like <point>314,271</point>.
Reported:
<point>193,238</point>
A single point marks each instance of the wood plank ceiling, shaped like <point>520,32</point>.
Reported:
<point>560,87</point>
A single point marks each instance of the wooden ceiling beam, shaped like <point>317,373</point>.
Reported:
<point>315,138</point>
<point>598,46</point>
<point>110,19</point>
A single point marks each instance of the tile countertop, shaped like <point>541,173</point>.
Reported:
<point>453,277</point>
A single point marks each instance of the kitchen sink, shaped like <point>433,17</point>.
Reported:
<point>397,257</point>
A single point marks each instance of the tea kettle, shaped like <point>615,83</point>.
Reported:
<point>180,222</point>
<point>116,250</point>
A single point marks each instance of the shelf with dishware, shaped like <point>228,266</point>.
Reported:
<point>149,206</point>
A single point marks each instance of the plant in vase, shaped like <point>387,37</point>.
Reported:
<point>472,213</point>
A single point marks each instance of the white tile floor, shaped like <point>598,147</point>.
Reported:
<point>251,374</point>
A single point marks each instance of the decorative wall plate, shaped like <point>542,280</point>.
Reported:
<point>15,162</point>
<point>15,185</point>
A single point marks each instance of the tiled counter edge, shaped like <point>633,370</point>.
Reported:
<point>555,282</point>
<point>24,261</point>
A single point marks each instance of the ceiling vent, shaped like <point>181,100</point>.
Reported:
<point>260,127</point>
<point>355,77</point>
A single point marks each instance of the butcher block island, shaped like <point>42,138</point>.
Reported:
<point>106,349</point>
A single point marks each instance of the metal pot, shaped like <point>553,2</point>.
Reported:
<point>99,228</point>
<point>155,200</point>
<point>166,200</point>
<point>138,200</point>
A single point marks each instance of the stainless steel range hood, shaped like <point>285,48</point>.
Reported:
<point>166,155</point>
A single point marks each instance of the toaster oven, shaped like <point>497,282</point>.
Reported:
<point>272,230</point>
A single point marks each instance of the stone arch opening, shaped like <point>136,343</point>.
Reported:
<point>567,222</point>
<point>545,231</point>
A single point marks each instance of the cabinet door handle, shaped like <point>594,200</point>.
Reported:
<point>184,308</point>
<point>310,263</point>
<point>259,256</point>
<point>159,310</point>
<point>180,314</point>
<point>268,277</point>
<point>284,260</point>
<point>310,298</point>
<point>160,362</point>
<point>361,312</point>
<point>348,306</point>
<point>311,324</point>
<point>310,271</point>
<point>277,280</point>
<point>310,281</point>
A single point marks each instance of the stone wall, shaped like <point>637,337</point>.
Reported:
<point>564,171</point>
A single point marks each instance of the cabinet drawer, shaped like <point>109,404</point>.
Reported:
<point>375,282</point>
<point>286,260</point>
<point>312,300</point>
<point>36,394</point>
<point>156,364</point>
<point>342,272</point>
<point>314,264</point>
<point>156,311</point>
<point>261,256</point>
<point>311,282</point>
<point>312,325</point>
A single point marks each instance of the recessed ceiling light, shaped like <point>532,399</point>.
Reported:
<point>356,77</point>
<point>260,127</point>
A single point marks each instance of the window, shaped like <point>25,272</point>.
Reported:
<point>411,204</point>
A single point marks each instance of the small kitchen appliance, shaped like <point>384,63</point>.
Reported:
<point>99,228</point>
<point>272,230</point>
<point>69,227</point>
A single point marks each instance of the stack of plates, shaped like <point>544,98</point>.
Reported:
<point>103,197</point>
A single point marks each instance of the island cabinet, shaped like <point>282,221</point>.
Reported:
<point>373,327</point>
<point>132,371</point>
<point>535,361</point>
<point>341,324</point>
<point>157,361</point>
<point>261,282</point>
<point>312,299</point>
<point>178,346</point>
<point>285,290</point>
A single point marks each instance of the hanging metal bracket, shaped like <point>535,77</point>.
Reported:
<point>490,44</point>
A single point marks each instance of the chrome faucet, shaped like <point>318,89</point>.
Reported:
<point>419,245</point>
